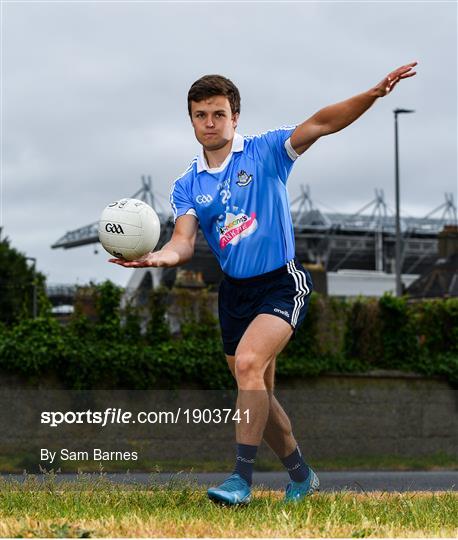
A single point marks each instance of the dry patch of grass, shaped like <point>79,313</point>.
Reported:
<point>97,508</point>
<point>136,527</point>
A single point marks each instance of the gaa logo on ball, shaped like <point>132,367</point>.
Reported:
<point>129,228</point>
<point>114,228</point>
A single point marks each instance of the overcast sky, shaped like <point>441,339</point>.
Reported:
<point>94,96</point>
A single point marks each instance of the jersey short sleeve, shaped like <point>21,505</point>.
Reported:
<point>180,200</point>
<point>277,143</point>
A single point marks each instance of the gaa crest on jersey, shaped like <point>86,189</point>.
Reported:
<point>244,178</point>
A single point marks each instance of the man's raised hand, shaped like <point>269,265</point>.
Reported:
<point>391,80</point>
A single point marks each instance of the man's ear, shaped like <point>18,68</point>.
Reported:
<point>235,119</point>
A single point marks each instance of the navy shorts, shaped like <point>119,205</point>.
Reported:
<point>284,292</point>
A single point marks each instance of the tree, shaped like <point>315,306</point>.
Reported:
<point>17,281</point>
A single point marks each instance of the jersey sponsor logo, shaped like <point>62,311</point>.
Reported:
<point>236,227</point>
<point>204,199</point>
<point>285,313</point>
<point>114,228</point>
<point>244,179</point>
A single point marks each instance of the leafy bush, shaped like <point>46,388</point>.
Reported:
<point>17,283</point>
<point>363,335</point>
<point>134,348</point>
<point>436,322</point>
<point>400,348</point>
<point>32,347</point>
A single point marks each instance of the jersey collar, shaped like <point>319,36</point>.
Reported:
<point>202,165</point>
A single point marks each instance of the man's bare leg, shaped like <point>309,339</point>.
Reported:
<point>278,432</point>
<point>263,340</point>
<point>277,426</point>
<point>254,367</point>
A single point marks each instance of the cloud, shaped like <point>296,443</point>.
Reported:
<point>94,96</point>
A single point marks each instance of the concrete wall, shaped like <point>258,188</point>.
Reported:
<point>333,416</point>
<point>386,414</point>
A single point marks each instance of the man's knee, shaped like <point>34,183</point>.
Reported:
<point>248,368</point>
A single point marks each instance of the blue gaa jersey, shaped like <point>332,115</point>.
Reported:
<point>242,206</point>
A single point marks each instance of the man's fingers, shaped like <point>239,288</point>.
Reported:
<point>398,73</point>
<point>408,66</point>
<point>131,264</point>
<point>408,75</point>
<point>403,69</point>
<point>393,78</point>
<point>123,262</point>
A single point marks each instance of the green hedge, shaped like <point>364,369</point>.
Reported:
<point>115,351</point>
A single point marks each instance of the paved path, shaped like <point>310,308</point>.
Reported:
<point>359,481</point>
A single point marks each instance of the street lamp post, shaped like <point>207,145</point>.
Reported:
<point>398,219</point>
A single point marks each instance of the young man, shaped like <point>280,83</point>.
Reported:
<point>235,189</point>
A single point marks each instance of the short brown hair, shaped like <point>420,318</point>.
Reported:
<point>214,85</point>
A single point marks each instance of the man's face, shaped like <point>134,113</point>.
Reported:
<point>213,122</point>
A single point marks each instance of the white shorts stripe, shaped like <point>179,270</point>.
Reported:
<point>302,291</point>
<point>293,315</point>
<point>301,288</point>
<point>299,294</point>
<point>302,277</point>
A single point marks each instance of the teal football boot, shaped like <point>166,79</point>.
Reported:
<point>296,491</point>
<point>234,490</point>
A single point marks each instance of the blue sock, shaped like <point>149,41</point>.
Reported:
<point>298,470</point>
<point>246,454</point>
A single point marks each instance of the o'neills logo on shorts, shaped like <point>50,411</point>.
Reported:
<point>235,228</point>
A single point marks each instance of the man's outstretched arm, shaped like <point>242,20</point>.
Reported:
<point>340,115</point>
<point>179,250</point>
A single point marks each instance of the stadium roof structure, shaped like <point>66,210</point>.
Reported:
<point>381,217</point>
<point>375,216</point>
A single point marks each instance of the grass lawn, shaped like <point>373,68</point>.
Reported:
<point>96,507</point>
